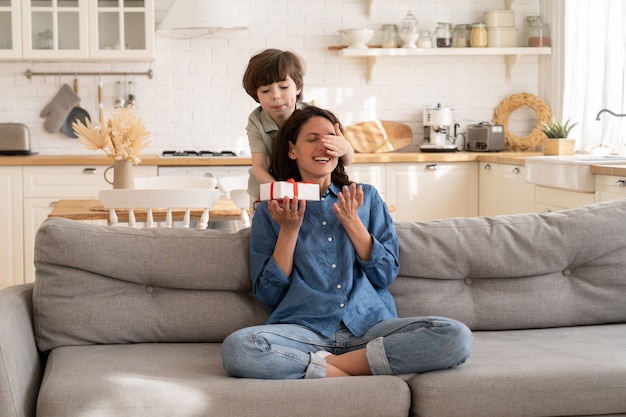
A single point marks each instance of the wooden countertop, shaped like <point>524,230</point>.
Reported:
<point>617,170</point>
<point>513,158</point>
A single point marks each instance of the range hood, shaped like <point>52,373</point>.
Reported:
<point>197,18</point>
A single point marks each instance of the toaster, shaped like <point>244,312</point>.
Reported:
<point>14,139</point>
<point>484,137</point>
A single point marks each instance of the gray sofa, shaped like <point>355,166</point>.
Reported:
<point>128,322</point>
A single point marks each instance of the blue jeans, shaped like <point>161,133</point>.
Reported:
<point>393,347</point>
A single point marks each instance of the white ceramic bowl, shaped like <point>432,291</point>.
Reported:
<point>357,38</point>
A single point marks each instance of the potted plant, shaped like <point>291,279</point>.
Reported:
<point>556,142</point>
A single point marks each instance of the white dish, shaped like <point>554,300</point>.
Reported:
<point>357,38</point>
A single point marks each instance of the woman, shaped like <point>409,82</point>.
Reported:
<point>323,268</point>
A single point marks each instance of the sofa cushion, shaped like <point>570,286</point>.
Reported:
<point>154,380</point>
<point>99,284</point>
<point>520,271</point>
<point>543,372</point>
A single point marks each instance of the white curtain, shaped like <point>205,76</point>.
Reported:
<point>594,73</point>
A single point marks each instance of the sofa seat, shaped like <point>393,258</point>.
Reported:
<point>543,372</point>
<point>187,379</point>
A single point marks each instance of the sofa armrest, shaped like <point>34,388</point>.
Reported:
<point>21,367</point>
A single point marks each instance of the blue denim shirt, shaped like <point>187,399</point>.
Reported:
<point>328,282</point>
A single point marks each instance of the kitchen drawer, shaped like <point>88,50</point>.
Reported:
<point>558,199</point>
<point>610,187</point>
<point>71,181</point>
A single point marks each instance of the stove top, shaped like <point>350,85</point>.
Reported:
<point>197,154</point>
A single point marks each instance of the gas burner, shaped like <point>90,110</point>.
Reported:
<point>220,153</point>
<point>197,154</point>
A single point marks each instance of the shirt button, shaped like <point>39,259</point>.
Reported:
<point>330,239</point>
<point>338,286</point>
<point>342,305</point>
<point>322,198</point>
<point>324,223</point>
<point>333,266</point>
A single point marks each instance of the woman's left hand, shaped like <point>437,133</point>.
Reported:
<point>349,200</point>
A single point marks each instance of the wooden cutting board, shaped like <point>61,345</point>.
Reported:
<point>378,136</point>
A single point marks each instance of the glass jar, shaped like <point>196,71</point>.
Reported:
<point>530,21</point>
<point>45,40</point>
<point>461,36</point>
<point>478,38</point>
<point>539,35</point>
<point>425,40</point>
<point>443,34</point>
<point>389,36</point>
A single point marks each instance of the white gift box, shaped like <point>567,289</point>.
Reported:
<point>279,189</point>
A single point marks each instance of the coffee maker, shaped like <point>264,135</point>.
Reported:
<point>439,129</point>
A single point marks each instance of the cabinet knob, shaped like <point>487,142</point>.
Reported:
<point>516,170</point>
<point>432,167</point>
<point>90,171</point>
<point>53,204</point>
<point>487,167</point>
<point>546,211</point>
<point>620,183</point>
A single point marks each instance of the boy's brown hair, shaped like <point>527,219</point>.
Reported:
<point>271,66</point>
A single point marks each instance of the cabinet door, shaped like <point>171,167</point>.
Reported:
<point>610,187</point>
<point>55,29</point>
<point>516,195</point>
<point>488,189</point>
<point>549,199</point>
<point>373,174</point>
<point>11,261</point>
<point>122,29</point>
<point>10,38</point>
<point>428,191</point>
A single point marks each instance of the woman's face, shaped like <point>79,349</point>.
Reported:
<point>314,163</point>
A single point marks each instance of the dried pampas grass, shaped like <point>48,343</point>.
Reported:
<point>123,137</point>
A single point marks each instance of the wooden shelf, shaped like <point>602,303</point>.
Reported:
<point>374,54</point>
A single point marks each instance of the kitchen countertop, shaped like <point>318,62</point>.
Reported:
<point>513,158</point>
<point>617,170</point>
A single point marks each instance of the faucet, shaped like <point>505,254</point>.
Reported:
<point>609,111</point>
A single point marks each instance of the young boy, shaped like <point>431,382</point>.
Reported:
<point>275,79</point>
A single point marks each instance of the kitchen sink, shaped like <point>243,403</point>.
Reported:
<point>567,172</point>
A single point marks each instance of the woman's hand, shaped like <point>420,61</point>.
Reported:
<point>289,216</point>
<point>337,146</point>
<point>347,211</point>
<point>287,213</point>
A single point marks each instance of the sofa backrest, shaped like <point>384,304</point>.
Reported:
<point>98,284</point>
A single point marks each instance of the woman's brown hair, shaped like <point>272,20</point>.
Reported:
<point>281,166</point>
<point>272,66</point>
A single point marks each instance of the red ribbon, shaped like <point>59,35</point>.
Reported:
<point>291,181</point>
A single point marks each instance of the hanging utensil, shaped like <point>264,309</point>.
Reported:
<point>77,113</point>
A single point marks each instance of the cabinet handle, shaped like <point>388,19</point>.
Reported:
<point>516,170</point>
<point>620,183</point>
<point>53,204</point>
<point>487,167</point>
<point>432,167</point>
<point>546,211</point>
<point>90,171</point>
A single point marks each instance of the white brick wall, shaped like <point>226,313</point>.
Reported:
<point>195,99</point>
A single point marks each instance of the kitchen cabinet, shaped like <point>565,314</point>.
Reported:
<point>11,259</point>
<point>79,29</point>
<point>43,186</point>
<point>10,38</point>
<point>610,187</point>
<point>503,189</point>
<point>373,55</point>
<point>374,174</point>
<point>428,191</point>
<point>548,199</point>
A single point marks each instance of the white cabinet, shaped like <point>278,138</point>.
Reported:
<point>503,190</point>
<point>11,261</point>
<point>610,187</point>
<point>79,29</point>
<point>45,185</point>
<point>549,199</point>
<point>10,38</point>
<point>427,191</point>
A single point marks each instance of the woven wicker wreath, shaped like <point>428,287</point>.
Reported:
<point>513,102</point>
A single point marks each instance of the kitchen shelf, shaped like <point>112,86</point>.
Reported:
<point>511,55</point>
